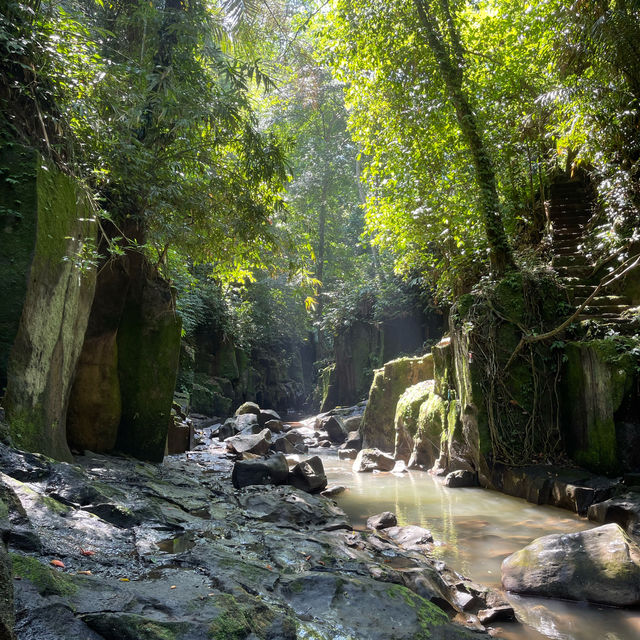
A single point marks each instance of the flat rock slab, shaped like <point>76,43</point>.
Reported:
<point>601,565</point>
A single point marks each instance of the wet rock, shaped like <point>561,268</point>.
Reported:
<point>309,475</point>
<point>353,441</point>
<point>410,537</point>
<point>275,426</point>
<point>400,467</point>
<point>334,426</point>
<point>324,444</point>
<point>504,613</point>
<point>461,478</point>
<point>287,507</point>
<point>248,423</point>
<point>382,520</point>
<point>347,454</point>
<point>227,430</point>
<point>623,510</point>
<point>600,565</point>
<point>295,437</point>
<point>352,424</point>
<point>248,407</point>
<point>332,491</point>
<point>382,610</point>
<point>271,470</point>
<point>267,415</point>
<point>179,437</point>
<point>257,443</point>
<point>283,445</point>
<point>373,460</point>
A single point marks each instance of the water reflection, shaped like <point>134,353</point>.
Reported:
<point>477,530</point>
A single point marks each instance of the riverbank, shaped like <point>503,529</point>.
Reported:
<point>109,547</point>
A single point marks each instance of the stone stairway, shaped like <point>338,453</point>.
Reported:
<point>569,213</point>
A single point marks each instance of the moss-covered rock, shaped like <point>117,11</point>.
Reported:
<point>406,420</point>
<point>6,592</point>
<point>57,300</point>
<point>600,404</point>
<point>328,388</point>
<point>389,383</point>
<point>507,405</point>
<point>148,354</point>
<point>208,397</point>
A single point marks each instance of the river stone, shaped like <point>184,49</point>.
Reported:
<point>309,475</point>
<point>601,565</point>
<point>257,443</point>
<point>382,520</point>
<point>334,426</point>
<point>295,437</point>
<point>410,537</point>
<point>373,460</point>
<point>461,478</point>
<point>283,444</point>
<point>248,407</point>
<point>353,441</point>
<point>347,454</point>
<point>332,491</point>
<point>271,470</point>
<point>248,422</point>
<point>266,415</point>
<point>275,426</point>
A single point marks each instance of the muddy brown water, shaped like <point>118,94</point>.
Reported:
<point>476,529</point>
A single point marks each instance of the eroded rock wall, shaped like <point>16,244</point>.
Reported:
<point>49,217</point>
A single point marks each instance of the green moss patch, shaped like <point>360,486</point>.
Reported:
<point>47,581</point>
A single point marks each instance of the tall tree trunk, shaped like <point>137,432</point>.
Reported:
<point>450,63</point>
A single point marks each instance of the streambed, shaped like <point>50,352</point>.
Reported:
<point>477,529</point>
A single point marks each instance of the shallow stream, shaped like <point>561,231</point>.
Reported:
<point>477,529</point>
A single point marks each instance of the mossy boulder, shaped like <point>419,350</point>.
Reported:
<point>601,405</point>
<point>406,419</point>
<point>327,388</point>
<point>389,383</point>
<point>599,565</point>
<point>50,219</point>
<point>208,397</point>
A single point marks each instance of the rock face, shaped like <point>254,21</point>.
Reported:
<point>600,417</point>
<point>461,478</point>
<point>600,565</point>
<point>45,225</point>
<point>406,418</point>
<point>128,364</point>
<point>388,385</point>
<point>373,460</point>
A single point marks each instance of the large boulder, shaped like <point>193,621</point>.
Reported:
<point>600,565</point>
<point>373,460</point>
<point>334,426</point>
<point>388,385</point>
<point>248,407</point>
<point>309,475</point>
<point>266,415</point>
<point>256,443</point>
<point>271,470</point>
